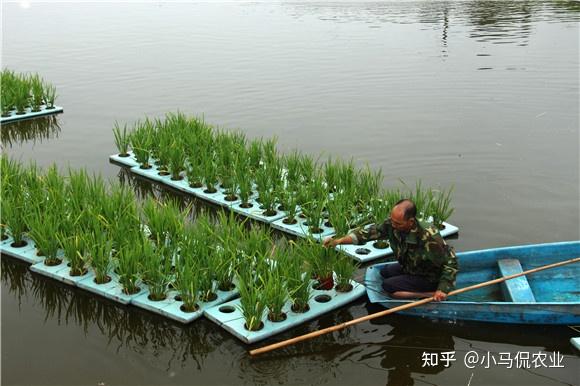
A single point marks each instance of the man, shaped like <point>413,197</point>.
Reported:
<point>426,266</point>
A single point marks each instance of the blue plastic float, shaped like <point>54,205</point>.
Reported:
<point>229,315</point>
<point>30,114</point>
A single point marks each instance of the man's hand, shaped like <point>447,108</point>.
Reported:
<point>439,296</point>
<point>329,242</point>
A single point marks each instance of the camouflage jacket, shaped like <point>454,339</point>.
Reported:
<point>421,252</point>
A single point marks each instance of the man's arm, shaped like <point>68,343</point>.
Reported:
<point>359,236</point>
<point>440,251</point>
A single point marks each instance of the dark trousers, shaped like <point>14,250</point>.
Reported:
<point>396,280</point>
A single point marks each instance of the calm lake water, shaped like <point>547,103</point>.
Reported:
<point>480,95</point>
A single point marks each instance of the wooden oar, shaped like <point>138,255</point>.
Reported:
<point>341,326</point>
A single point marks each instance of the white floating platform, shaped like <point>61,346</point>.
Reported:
<point>229,315</point>
<point>29,114</point>
<point>301,230</point>
<point>129,161</point>
<point>26,253</point>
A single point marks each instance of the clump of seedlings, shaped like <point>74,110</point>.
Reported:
<point>157,266</point>
<point>298,284</point>
<point>441,207</point>
<point>321,261</point>
<point>141,140</point>
<point>14,205</point>
<point>129,262</point>
<point>314,198</point>
<point>252,304</point>
<point>275,289</point>
<point>344,268</point>
<point>99,247</point>
<point>187,279</point>
<point>122,139</point>
<point>74,249</point>
<point>20,91</point>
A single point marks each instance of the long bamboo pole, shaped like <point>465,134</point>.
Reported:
<point>341,326</point>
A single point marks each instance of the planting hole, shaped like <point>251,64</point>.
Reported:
<point>362,251</point>
<point>381,244</point>
<point>227,309</point>
<point>322,298</point>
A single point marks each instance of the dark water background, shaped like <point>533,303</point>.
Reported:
<point>480,95</point>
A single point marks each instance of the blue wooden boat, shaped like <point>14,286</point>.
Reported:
<point>546,297</point>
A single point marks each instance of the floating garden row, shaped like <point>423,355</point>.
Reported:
<point>156,256</point>
<point>25,96</point>
<point>292,192</point>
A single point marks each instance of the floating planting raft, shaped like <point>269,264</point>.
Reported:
<point>292,192</point>
<point>156,256</point>
<point>26,96</point>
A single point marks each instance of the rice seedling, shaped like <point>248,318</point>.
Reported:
<point>422,199</point>
<point>321,261</point>
<point>49,95</point>
<point>165,150</point>
<point>37,92</point>
<point>122,139</point>
<point>275,293</point>
<point>176,160</point>
<point>298,284</point>
<point>368,186</point>
<point>243,177</point>
<point>441,207</point>
<point>255,154</point>
<point>340,212</point>
<point>332,174</point>
<point>13,211</point>
<point>225,153</point>
<point>74,251</point>
<point>158,266</point>
<point>99,248</point>
<point>210,174</point>
<point>347,176</point>
<point>128,260</point>
<point>315,196</point>
<point>289,201</point>
<point>155,219</point>
<point>266,195</point>
<point>252,303</point>
<point>344,269</point>
<point>43,226</point>
<point>141,140</point>
<point>187,282</point>
<point>21,96</point>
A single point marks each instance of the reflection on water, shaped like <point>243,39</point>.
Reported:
<point>122,327</point>
<point>36,129</point>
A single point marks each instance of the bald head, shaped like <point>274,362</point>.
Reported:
<point>403,215</point>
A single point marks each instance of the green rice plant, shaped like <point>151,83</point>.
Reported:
<point>266,196</point>
<point>75,251</point>
<point>344,269</point>
<point>289,201</point>
<point>176,160</point>
<point>155,219</point>
<point>275,293</point>
<point>122,139</point>
<point>225,153</point>
<point>187,282</point>
<point>252,304</point>
<point>422,199</point>
<point>37,92</point>
<point>340,212</point>
<point>129,264</point>
<point>121,215</point>
<point>99,248</point>
<point>441,208</point>
<point>141,140</point>
<point>14,202</point>
<point>332,174</point>
<point>158,272</point>
<point>210,174</point>
<point>229,234</point>
<point>243,179</point>
<point>21,96</point>
<point>49,95</point>
<point>175,219</point>
<point>380,207</point>
<point>368,187</point>
<point>320,259</point>
<point>315,198</point>
<point>255,154</point>
<point>44,225</point>
<point>6,101</point>
<point>292,163</point>
<point>347,176</point>
<point>298,283</point>
<point>269,151</point>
